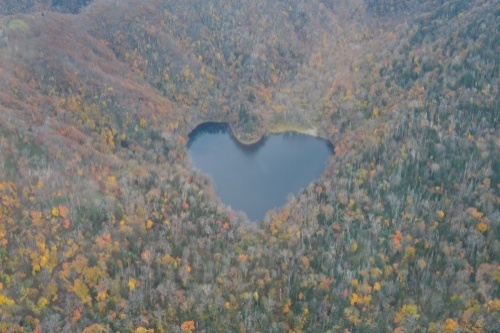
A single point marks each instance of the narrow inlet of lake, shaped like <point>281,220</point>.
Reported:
<point>257,178</point>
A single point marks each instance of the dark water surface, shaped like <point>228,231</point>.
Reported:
<point>257,178</point>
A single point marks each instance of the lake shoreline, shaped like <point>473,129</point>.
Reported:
<point>278,128</point>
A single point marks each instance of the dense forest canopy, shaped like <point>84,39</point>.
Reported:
<point>34,6</point>
<point>105,227</point>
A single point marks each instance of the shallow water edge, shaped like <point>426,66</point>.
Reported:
<point>278,128</point>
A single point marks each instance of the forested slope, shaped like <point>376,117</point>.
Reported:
<point>105,227</point>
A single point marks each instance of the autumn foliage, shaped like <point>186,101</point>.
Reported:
<point>105,226</point>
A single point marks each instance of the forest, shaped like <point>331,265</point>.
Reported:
<point>106,227</point>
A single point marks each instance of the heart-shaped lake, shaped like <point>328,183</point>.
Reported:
<point>257,178</point>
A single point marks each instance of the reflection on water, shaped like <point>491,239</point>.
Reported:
<point>257,178</point>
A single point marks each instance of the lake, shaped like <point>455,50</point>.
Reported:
<point>259,177</point>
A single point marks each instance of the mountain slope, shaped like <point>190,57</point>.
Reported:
<point>105,227</point>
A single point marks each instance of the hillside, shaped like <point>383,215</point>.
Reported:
<point>104,226</point>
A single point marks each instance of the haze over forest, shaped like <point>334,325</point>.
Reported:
<point>105,226</point>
